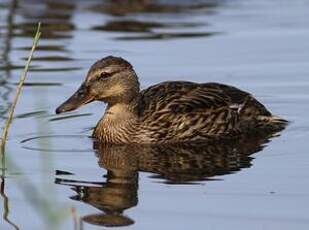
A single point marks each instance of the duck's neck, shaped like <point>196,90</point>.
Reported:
<point>119,114</point>
<point>118,124</point>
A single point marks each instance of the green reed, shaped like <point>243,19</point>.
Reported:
<point>32,195</point>
<point>18,91</point>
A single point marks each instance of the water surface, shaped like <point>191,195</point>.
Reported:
<point>55,174</point>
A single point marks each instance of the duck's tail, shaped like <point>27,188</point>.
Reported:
<point>272,122</point>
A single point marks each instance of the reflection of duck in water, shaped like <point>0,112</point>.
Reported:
<point>183,163</point>
<point>112,198</point>
<point>175,164</point>
<point>169,112</point>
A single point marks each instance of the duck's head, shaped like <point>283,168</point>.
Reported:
<point>111,80</point>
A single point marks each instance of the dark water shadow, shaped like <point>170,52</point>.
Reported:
<point>140,26</point>
<point>57,25</point>
<point>39,84</point>
<point>123,18</point>
<point>50,30</point>
<point>55,17</point>
<point>59,48</point>
<point>58,118</point>
<point>128,7</point>
<point>165,36</point>
<point>51,58</point>
<point>30,114</point>
<point>171,164</point>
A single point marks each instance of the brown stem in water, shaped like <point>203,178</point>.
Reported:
<point>6,209</point>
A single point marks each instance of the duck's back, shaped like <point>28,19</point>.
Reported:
<point>187,111</point>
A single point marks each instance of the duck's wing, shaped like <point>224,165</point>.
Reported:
<point>246,104</point>
<point>208,109</point>
<point>187,111</point>
<point>181,97</point>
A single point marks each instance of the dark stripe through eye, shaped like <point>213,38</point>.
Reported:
<point>105,75</point>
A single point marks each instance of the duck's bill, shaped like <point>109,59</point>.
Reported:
<point>79,98</point>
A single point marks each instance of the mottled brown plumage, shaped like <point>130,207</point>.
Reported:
<point>169,112</point>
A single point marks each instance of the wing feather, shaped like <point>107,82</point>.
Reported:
<point>182,97</point>
<point>196,111</point>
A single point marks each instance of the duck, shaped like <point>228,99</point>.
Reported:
<point>167,112</point>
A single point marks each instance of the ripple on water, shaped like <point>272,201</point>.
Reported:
<point>58,118</point>
<point>39,84</point>
<point>58,143</point>
<point>167,35</point>
<point>141,26</point>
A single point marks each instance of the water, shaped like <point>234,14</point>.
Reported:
<point>56,174</point>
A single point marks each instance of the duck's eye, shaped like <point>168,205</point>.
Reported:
<point>105,75</point>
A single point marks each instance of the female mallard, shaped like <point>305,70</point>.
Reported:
<point>169,112</point>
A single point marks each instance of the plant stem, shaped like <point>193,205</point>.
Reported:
<point>18,91</point>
